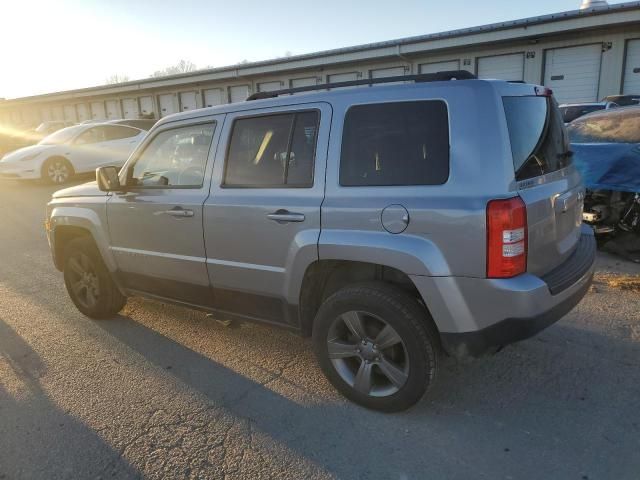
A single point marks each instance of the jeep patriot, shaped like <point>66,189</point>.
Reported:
<point>393,223</point>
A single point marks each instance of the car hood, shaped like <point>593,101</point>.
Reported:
<point>89,189</point>
<point>24,151</point>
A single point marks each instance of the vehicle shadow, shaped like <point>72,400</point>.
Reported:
<point>550,406</point>
<point>55,439</point>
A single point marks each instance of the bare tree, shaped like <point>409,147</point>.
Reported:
<point>117,78</point>
<point>183,66</point>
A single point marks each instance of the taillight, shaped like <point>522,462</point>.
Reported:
<point>506,238</point>
<point>543,92</point>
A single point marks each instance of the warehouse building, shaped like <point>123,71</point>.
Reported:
<point>583,55</point>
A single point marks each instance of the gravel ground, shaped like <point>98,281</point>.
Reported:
<point>165,392</point>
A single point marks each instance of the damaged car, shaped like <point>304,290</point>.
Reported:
<point>606,147</point>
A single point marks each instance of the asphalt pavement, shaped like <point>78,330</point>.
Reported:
<point>165,392</point>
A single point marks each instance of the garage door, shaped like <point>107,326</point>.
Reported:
<point>573,73</point>
<point>188,101</point>
<point>631,82</point>
<point>16,117</point>
<point>113,109</point>
<point>239,93</point>
<point>342,77</point>
<point>504,67</point>
<point>32,117</point>
<point>147,106</point>
<point>130,108</point>
<point>167,105</point>
<point>439,66</point>
<point>213,97</point>
<point>83,112</point>
<point>70,113</point>
<point>303,82</point>
<point>387,72</point>
<point>45,114</point>
<point>269,86</point>
<point>58,112</point>
<point>97,111</point>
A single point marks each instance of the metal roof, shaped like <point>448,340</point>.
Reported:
<point>236,69</point>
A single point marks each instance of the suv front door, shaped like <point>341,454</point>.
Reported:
<point>155,224</point>
<point>262,219</point>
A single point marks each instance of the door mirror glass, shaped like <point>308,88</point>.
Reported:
<point>107,178</point>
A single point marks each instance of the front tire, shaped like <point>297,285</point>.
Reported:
<point>57,171</point>
<point>88,281</point>
<point>377,346</point>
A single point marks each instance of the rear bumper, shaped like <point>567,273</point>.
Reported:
<point>510,330</point>
<point>476,316</point>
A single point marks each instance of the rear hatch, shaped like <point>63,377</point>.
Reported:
<point>547,182</point>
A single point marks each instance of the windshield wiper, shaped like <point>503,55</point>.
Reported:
<point>565,155</point>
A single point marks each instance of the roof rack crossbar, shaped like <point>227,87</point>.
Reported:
<point>424,77</point>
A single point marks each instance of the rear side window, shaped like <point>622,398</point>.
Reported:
<point>117,132</point>
<point>404,143</point>
<point>620,126</point>
<point>272,151</point>
<point>536,130</point>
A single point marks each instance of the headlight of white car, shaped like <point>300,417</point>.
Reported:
<point>29,157</point>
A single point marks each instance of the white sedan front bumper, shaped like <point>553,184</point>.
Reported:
<point>18,171</point>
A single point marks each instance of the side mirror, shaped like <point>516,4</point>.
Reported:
<point>107,178</point>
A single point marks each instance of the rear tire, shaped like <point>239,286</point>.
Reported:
<point>88,281</point>
<point>377,346</point>
<point>57,171</point>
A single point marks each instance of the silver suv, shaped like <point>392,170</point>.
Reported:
<point>392,223</point>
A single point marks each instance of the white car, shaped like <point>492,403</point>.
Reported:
<point>78,149</point>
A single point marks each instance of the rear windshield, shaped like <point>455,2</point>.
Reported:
<point>538,140</point>
<point>618,126</point>
<point>569,114</point>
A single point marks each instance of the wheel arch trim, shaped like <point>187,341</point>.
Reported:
<point>84,219</point>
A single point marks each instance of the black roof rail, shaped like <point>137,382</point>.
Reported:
<point>423,77</point>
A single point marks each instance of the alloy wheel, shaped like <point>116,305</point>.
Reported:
<point>368,354</point>
<point>58,171</point>
<point>84,280</point>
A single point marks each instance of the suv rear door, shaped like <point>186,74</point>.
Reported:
<point>546,181</point>
<point>262,219</point>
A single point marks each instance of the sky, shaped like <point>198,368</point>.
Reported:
<point>48,46</point>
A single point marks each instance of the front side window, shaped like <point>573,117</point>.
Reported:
<point>93,135</point>
<point>272,151</point>
<point>395,144</point>
<point>175,157</point>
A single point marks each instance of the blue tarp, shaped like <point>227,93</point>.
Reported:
<point>608,166</point>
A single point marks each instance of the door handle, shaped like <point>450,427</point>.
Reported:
<point>177,212</point>
<point>285,216</point>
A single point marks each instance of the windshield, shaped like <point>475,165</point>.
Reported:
<point>61,136</point>
<point>569,114</point>
<point>620,126</point>
<point>538,140</point>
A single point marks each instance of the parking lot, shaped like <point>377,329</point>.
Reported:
<point>165,392</point>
